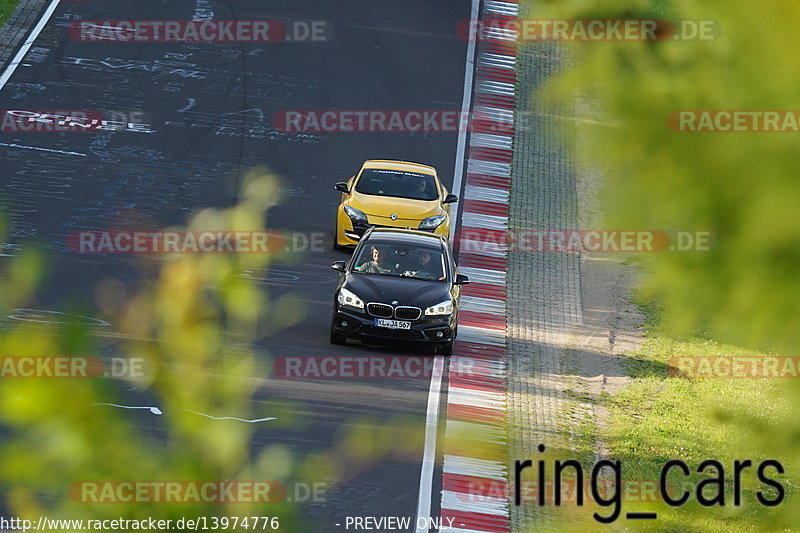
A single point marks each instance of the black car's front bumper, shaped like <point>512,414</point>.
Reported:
<point>355,325</point>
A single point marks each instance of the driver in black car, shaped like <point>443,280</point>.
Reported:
<point>425,268</point>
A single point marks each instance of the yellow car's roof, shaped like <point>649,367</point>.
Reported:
<point>407,166</point>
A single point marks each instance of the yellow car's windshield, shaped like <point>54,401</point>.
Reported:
<point>397,183</point>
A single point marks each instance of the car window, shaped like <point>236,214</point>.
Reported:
<point>397,183</point>
<point>401,260</point>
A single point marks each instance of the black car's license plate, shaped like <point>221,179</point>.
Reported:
<point>392,324</point>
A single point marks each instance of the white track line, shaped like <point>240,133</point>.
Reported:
<point>28,43</point>
<point>425,498</point>
<point>466,105</point>
<point>429,455</point>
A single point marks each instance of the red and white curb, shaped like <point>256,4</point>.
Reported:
<point>475,447</point>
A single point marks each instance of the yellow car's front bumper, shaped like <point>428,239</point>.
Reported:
<point>348,235</point>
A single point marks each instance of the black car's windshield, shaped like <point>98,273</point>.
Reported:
<point>401,260</point>
<point>397,183</point>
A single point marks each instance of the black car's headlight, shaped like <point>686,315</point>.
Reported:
<point>432,222</point>
<point>355,215</point>
<point>349,299</point>
<point>442,308</point>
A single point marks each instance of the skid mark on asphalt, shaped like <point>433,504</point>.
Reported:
<point>40,149</point>
<point>157,411</point>
<point>203,11</point>
<point>251,421</point>
<point>54,317</point>
<point>278,276</point>
<point>154,410</point>
<point>190,105</point>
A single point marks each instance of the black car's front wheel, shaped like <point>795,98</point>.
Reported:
<point>444,349</point>
<point>336,338</point>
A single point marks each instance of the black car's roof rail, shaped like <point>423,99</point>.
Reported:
<point>441,239</point>
<point>403,230</point>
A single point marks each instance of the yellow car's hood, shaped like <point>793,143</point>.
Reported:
<point>384,206</point>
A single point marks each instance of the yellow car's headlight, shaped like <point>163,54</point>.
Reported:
<point>355,214</point>
<point>432,222</point>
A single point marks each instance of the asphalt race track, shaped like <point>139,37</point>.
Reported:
<point>208,111</point>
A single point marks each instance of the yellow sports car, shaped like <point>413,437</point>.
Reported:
<point>392,194</point>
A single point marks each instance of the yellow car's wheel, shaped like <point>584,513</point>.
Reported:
<point>336,232</point>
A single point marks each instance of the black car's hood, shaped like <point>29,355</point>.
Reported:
<point>407,291</point>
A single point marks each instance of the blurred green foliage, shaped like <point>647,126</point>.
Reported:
<point>739,186</point>
<point>191,323</point>
<point>194,324</point>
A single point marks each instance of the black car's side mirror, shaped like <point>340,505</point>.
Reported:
<point>338,265</point>
<point>450,199</point>
<point>342,186</point>
<point>461,279</point>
